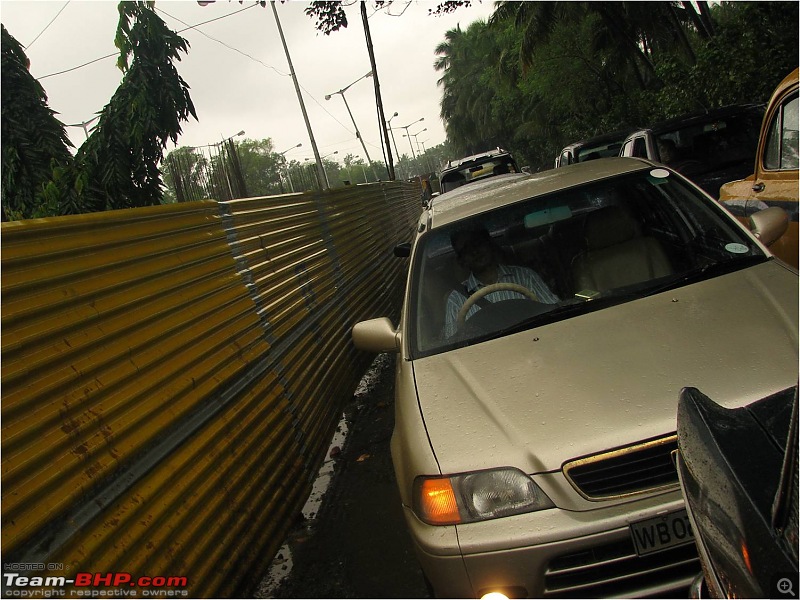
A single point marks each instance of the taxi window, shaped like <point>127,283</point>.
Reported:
<point>781,150</point>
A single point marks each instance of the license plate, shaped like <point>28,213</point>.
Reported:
<point>661,533</point>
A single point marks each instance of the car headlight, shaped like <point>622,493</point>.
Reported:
<point>477,496</point>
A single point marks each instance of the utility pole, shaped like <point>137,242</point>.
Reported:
<point>381,118</point>
<point>320,169</point>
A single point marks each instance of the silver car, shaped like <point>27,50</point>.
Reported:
<point>549,324</point>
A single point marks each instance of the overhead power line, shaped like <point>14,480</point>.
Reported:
<point>91,62</point>
<point>48,25</point>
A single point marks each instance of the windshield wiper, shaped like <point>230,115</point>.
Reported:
<point>562,310</point>
<point>707,272</point>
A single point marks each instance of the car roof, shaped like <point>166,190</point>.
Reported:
<point>788,83</point>
<point>488,154</point>
<point>700,117</point>
<point>502,190</point>
<point>619,134</point>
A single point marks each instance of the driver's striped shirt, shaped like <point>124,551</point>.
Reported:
<point>507,274</point>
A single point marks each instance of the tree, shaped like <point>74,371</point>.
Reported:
<point>261,166</point>
<point>545,74</point>
<point>34,141</point>
<point>185,175</point>
<point>118,166</point>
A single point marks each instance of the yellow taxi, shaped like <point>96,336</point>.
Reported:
<point>775,180</point>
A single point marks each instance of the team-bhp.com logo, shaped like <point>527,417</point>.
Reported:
<point>94,585</point>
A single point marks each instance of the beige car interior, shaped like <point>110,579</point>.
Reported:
<point>616,253</point>
<point>605,250</point>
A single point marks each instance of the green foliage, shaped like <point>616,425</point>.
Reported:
<point>261,166</point>
<point>34,142</point>
<point>542,75</point>
<point>119,163</point>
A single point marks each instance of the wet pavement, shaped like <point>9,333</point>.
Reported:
<point>352,540</point>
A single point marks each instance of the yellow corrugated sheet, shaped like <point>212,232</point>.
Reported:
<point>171,376</point>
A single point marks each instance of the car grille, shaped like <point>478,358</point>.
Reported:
<point>615,570</point>
<point>645,467</point>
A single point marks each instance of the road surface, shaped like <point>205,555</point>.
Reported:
<point>352,541</point>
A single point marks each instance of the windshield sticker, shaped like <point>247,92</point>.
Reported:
<point>734,248</point>
<point>659,173</point>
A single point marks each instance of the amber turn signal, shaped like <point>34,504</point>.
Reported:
<point>437,502</point>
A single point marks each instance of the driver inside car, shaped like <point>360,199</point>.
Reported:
<point>479,254</point>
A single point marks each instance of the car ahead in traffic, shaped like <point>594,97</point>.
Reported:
<point>601,146</point>
<point>774,181</point>
<point>739,476</point>
<point>475,168</point>
<point>535,403</point>
<point>710,148</point>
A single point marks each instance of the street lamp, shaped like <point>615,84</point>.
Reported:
<point>292,148</point>
<point>85,125</point>
<point>358,135</point>
<point>414,156</point>
<point>389,126</point>
<point>414,135</point>
<point>233,136</point>
<point>326,170</point>
<point>286,167</point>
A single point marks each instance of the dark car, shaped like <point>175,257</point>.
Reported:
<point>601,146</point>
<point>476,167</point>
<point>710,148</point>
<point>739,476</point>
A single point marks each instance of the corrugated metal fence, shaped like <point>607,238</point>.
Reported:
<point>171,376</point>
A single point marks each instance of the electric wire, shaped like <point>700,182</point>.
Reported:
<point>195,28</point>
<point>113,54</point>
<point>48,25</point>
<point>221,42</point>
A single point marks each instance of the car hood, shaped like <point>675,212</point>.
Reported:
<point>609,378</point>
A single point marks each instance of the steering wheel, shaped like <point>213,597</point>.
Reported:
<point>495,287</point>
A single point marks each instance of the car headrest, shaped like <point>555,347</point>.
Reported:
<point>608,227</point>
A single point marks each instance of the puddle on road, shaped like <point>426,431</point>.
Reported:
<point>282,564</point>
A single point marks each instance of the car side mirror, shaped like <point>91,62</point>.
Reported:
<point>376,335</point>
<point>769,224</point>
<point>403,250</point>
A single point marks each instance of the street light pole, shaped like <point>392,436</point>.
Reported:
<point>409,139</point>
<point>414,135</point>
<point>85,125</point>
<point>286,167</point>
<point>378,100</point>
<point>320,170</point>
<point>326,170</point>
<point>389,126</point>
<point>347,106</point>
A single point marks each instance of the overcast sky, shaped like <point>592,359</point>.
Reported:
<point>238,73</point>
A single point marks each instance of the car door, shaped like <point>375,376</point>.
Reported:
<point>775,181</point>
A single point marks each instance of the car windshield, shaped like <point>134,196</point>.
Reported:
<point>556,256</point>
<point>711,145</point>
<point>601,150</point>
